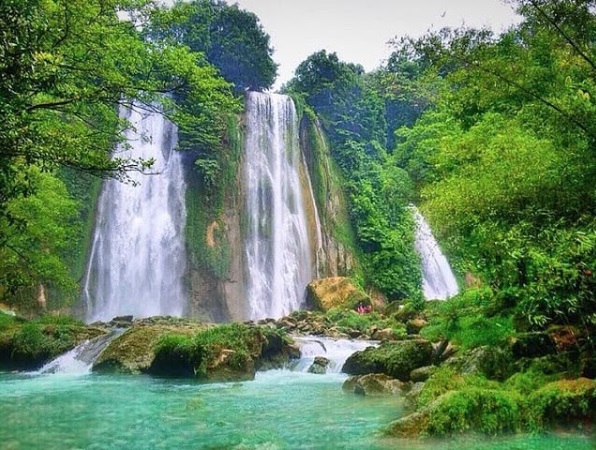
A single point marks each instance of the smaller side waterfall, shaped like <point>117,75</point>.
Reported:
<point>79,360</point>
<point>335,350</point>
<point>277,245</point>
<point>438,281</point>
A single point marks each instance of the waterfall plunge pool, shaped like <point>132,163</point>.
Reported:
<point>278,410</point>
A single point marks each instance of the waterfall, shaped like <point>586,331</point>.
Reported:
<point>438,281</point>
<point>138,256</point>
<point>80,359</point>
<point>337,351</point>
<point>277,244</point>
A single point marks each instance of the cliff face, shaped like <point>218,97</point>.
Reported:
<point>334,255</point>
<point>215,239</point>
<point>216,229</point>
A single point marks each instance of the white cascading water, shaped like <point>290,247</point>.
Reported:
<point>337,351</point>
<point>79,360</point>
<point>438,281</point>
<point>277,245</point>
<point>138,259</point>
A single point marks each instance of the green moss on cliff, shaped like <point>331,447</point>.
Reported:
<point>326,181</point>
<point>212,184</point>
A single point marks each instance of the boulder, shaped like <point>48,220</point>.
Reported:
<point>386,334</point>
<point>493,362</point>
<point>396,359</point>
<point>335,292</point>
<point>319,366</point>
<point>411,397</point>
<point>373,384</point>
<point>413,326</point>
<point>133,351</point>
<point>422,373</point>
<point>410,426</point>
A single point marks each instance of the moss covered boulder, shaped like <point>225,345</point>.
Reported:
<point>373,384</point>
<point>133,351</point>
<point>335,292</point>
<point>396,359</point>
<point>29,344</point>
<point>473,409</point>
<point>564,403</point>
<point>230,352</point>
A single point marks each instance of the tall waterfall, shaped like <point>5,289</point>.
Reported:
<point>277,244</point>
<point>438,281</point>
<point>138,257</point>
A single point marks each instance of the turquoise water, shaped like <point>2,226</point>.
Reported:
<point>278,410</point>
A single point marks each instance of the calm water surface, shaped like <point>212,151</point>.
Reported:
<point>278,410</point>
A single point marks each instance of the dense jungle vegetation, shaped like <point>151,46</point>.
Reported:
<point>493,136</point>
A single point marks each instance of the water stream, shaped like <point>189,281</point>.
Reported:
<point>138,256</point>
<point>277,246</point>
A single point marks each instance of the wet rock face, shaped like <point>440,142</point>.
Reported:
<point>319,366</point>
<point>396,359</point>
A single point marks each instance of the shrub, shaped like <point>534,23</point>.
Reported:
<point>487,411</point>
<point>563,402</point>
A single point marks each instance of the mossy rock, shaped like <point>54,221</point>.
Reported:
<point>494,363</point>
<point>373,384</point>
<point>485,411</point>
<point>564,403</point>
<point>229,352</point>
<point>28,345</point>
<point>335,292</point>
<point>133,351</point>
<point>396,359</point>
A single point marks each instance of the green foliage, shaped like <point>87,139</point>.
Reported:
<point>504,159</point>
<point>472,409</point>
<point>6,321</point>
<point>353,116</point>
<point>231,39</point>
<point>46,224</point>
<point>346,320</point>
<point>469,320</point>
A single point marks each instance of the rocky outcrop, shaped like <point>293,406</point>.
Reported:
<point>334,256</point>
<point>319,365</point>
<point>335,292</point>
<point>396,359</point>
<point>133,351</point>
<point>373,384</point>
<point>184,348</point>
<point>29,344</point>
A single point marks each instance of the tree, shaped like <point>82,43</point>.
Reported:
<point>65,69</point>
<point>353,115</point>
<point>504,160</point>
<point>231,39</point>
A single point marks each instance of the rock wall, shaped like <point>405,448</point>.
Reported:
<point>217,281</point>
<point>335,256</point>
